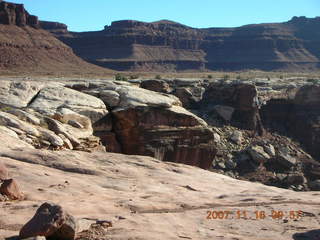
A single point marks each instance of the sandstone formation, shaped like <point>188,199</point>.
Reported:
<point>25,47</point>
<point>145,198</point>
<point>170,46</point>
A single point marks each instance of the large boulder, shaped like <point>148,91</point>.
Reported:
<point>50,99</point>
<point>50,221</point>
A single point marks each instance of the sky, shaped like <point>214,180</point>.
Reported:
<point>91,15</point>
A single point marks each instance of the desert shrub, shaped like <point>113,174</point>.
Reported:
<point>158,77</point>
<point>134,76</point>
<point>314,81</point>
<point>120,77</point>
<point>210,76</point>
<point>226,77</point>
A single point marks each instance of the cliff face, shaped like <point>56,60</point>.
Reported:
<point>25,47</point>
<point>166,45</point>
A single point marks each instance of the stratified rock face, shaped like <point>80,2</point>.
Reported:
<point>15,14</point>
<point>170,134</point>
<point>237,103</point>
<point>299,117</point>
<point>166,45</point>
<point>25,47</point>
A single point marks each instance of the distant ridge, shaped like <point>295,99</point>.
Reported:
<point>168,45</point>
<point>25,47</point>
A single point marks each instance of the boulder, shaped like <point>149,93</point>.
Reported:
<point>11,189</point>
<point>156,85</point>
<point>50,221</point>
<point>237,137</point>
<point>258,154</point>
<point>4,173</point>
<point>50,99</point>
<point>285,158</point>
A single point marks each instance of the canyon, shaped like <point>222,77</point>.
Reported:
<point>170,46</point>
<point>209,157</point>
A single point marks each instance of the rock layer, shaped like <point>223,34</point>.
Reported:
<point>170,46</point>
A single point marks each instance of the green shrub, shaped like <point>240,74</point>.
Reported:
<point>226,77</point>
<point>158,77</point>
<point>210,76</point>
<point>134,76</point>
<point>120,77</point>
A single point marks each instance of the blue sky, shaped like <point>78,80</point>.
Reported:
<point>89,15</point>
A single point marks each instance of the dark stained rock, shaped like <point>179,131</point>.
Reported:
<point>156,85</point>
<point>166,134</point>
<point>52,222</point>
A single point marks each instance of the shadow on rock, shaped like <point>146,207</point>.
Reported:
<point>13,238</point>
<point>310,235</point>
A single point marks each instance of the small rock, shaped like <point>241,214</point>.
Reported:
<point>11,189</point>
<point>258,154</point>
<point>269,149</point>
<point>295,179</point>
<point>51,221</point>
<point>237,137</point>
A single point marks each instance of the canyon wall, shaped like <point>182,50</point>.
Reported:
<point>167,45</point>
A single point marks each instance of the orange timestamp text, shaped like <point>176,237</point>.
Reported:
<point>255,215</point>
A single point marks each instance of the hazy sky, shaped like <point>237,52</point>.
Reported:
<point>86,15</point>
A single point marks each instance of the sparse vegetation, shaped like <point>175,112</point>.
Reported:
<point>134,76</point>
<point>158,77</point>
<point>120,77</point>
<point>226,77</point>
<point>314,81</point>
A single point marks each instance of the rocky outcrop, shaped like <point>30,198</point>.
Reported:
<point>24,46</point>
<point>15,14</point>
<point>144,122</point>
<point>297,117</point>
<point>169,46</point>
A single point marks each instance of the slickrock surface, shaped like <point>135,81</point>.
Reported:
<point>149,199</point>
